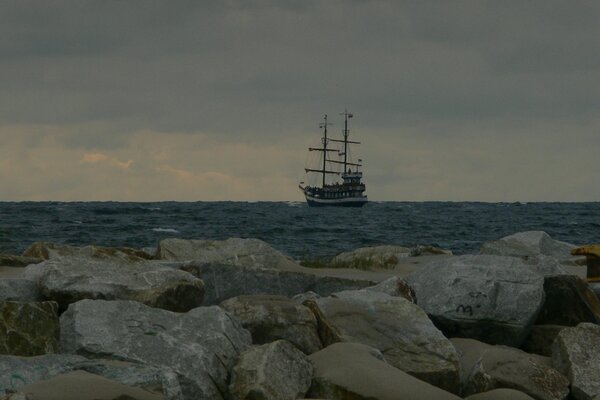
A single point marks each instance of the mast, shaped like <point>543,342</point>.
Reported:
<point>324,126</point>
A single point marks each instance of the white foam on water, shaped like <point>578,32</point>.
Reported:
<point>170,230</point>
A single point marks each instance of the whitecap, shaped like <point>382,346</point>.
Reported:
<point>169,230</point>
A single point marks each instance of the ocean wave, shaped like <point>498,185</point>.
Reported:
<point>169,230</point>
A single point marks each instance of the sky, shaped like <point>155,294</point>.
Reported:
<point>219,100</point>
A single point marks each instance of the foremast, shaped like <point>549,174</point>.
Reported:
<point>325,141</point>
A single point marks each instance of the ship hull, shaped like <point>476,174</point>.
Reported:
<point>341,202</point>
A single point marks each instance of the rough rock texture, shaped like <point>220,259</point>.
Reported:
<point>500,394</point>
<point>67,280</point>
<point>201,346</point>
<point>28,329</point>
<point>81,385</point>
<point>576,353</point>
<point>505,367</point>
<point>354,371</point>
<point>490,298</point>
<point>11,260</point>
<point>233,251</point>
<point>269,318</point>
<point>274,371</point>
<point>17,372</point>
<point>530,243</point>
<point>385,256</point>
<point>395,286</point>
<point>50,250</point>
<point>540,339</point>
<point>469,352</point>
<point>19,289</point>
<point>397,327</point>
<point>569,301</point>
<point>222,281</point>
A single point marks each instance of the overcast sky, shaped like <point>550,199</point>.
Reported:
<point>200,100</point>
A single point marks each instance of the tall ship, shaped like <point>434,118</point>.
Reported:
<point>335,162</point>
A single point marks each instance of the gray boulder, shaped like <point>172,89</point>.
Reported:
<point>50,250</point>
<point>28,329</point>
<point>274,371</point>
<point>541,338</point>
<point>355,371</point>
<point>67,280</point>
<point>18,372</point>
<point>397,327</point>
<point>489,298</point>
<point>19,289</point>
<point>201,346</point>
<point>11,260</point>
<point>505,367</point>
<point>530,243</point>
<point>269,318</point>
<point>395,286</point>
<point>382,257</point>
<point>223,281</point>
<point>500,394</point>
<point>576,353</point>
<point>233,251</point>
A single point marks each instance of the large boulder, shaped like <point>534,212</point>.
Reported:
<point>51,250</point>
<point>395,286</point>
<point>396,326</point>
<point>11,260</point>
<point>569,301</point>
<point>530,243</point>
<point>81,385</point>
<point>489,298</point>
<point>382,257</point>
<point>201,346</point>
<point>576,353</point>
<point>356,371</point>
<point>19,289</point>
<point>269,318</point>
<point>18,372</point>
<point>223,281</point>
<point>273,371</point>
<point>28,329</point>
<point>500,394</point>
<point>505,367</point>
<point>67,280</point>
<point>541,338</point>
<point>233,251</point>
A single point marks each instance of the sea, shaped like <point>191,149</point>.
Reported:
<point>292,227</point>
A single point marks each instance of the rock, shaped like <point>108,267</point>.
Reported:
<point>469,352</point>
<point>540,339</point>
<point>504,367</point>
<point>19,289</point>
<point>569,301</point>
<point>428,250</point>
<point>395,286</point>
<point>222,281</point>
<point>18,372</point>
<point>28,329</point>
<point>10,260</point>
<point>274,371</point>
<point>500,394</point>
<point>400,329</point>
<point>576,353</point>
<point>489,298</point>
<point>81,385</point>
<point>233,251</point>
<point>386,257</point>
<point>269,318</point>
<point>50,250</point>
<point>530,243</point>
<point>352,371</point>
<point>68,280</point>
<point>201,346</point>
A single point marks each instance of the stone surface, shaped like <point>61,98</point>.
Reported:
<point>490,298</point>
<point>395,286</point>
<point>274,371</point>
<point>50,250</point>
<point>28,329</point>
<point>233,251</point>
<point>576,353</point>
<point>269,318</point>
<point>505,367</point>
<point>540,339</point>
<point>500,394</point>
<point>382,257</point>
<point>17,372</point>
<point>469,352</point>
<point>222,281</point>
<point>400,329</point>
<point>201,346</point>
<point>354,371</point>
<point>11,260</point>
<point>569,301</point>
<point>19,289</point>
<point>81,385</point>
<point>530,243</point>
<point>67,280</point>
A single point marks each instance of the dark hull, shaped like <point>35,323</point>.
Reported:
<point>324,203</point>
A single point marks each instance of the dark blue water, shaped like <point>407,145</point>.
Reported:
<point>293,228</point>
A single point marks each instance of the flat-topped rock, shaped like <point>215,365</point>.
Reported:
<point>396,326</point>
<point>67,280</point>
<point>529,243</point>
<point>494,299</point>
<point>201,346</point>
<point>355,371</point>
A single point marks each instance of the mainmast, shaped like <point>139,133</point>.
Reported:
<point>324,149</point>
<point>346,132</point>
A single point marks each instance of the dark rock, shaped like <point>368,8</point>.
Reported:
<point>28,329</point>
<point>540,339</point>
